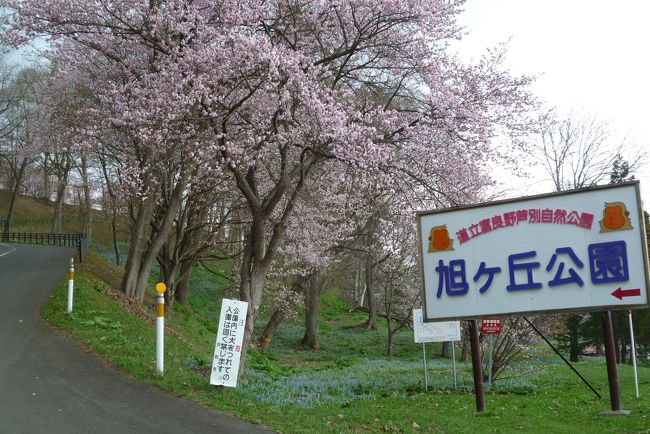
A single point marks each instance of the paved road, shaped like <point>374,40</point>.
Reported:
<point>49,384</point>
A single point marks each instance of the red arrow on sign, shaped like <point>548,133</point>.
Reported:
<point>620,293</point>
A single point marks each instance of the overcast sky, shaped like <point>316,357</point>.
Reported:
<point>591,55</point>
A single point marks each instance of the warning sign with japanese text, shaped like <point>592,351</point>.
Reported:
<point>578,250</point>
<point>491,326</point>
<point>227,350</point>
<point>444,331</point>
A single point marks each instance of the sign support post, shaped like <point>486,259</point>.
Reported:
<point>453,358</point>
<point>636,378</point>
<point>424,364</point>
<point>610,356</point>
<point>490,327</point>
<point>490,349</point>
<point>476,366</point>
<point>160,327</point>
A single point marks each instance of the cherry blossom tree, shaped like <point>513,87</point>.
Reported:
<point>511,346</point>
<point>268,96</point>
<point>399,276</point>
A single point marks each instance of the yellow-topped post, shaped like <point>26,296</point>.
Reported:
<point>160,327</point>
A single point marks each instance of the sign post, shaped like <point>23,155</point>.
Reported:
<point>610,357</point>
<point>490,350</point>
<point>453,356</point>
<point>633,352</point>
<point>227,349</point>
<point>424,366</point>
<point>575,251</point>
<point>477,369</point>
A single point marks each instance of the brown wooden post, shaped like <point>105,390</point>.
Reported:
<point>476,365</point>
<point>610,357</point>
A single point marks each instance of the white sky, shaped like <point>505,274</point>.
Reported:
<point>593,56</point>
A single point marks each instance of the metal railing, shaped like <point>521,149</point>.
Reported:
<point>68,240</point>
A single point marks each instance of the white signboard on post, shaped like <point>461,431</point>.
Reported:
<point>579,250</point>
<point>444,331</point>
<point>227,351</point>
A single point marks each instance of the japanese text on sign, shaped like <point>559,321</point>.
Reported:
<point>491,326</point>
<point>579,250</point>
<point>230,336</point>
<point>445,331</point>
<point>533,215</point>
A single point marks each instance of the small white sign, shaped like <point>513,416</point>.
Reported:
<point>227,350</point>
<point>434,331</point>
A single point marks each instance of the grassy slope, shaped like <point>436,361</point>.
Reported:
<point>349,386</point>
<point>36,215</point>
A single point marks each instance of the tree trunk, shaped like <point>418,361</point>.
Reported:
<point>623,349</point>
<point>390,336</point>
<point>113,209</point>
<point>278,315</point>
<point>463,352</point>
<point>251,287</point>
<point>183,287</point>
<point>445,353</point>
<point>159,239</point>
<point>18,180</point>
<point>312,295</point>
<point>271,328</point>
<point>46,178</point>
<point>371,323</point>
<point>168,272</point>
<point>359,289</point>
<point>87,202</point>
<point>116,246</point>
<point>138,245</point>
<point>255,264</point>
<point>57,226</point>
<point>573,329</point>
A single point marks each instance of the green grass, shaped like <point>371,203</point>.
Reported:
<point>349,386</point>
<point>36,215</point>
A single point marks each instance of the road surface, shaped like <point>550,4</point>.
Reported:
<point>49,384</point>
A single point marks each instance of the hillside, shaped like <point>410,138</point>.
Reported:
<point>348,386</point>
<point>36,215</point>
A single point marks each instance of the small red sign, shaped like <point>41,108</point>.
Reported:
<point>491,326</point>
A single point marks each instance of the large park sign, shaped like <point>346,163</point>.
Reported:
<point>574,251</point>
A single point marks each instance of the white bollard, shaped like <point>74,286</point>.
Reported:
<point>70,285</point>
<point>160,327</point>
